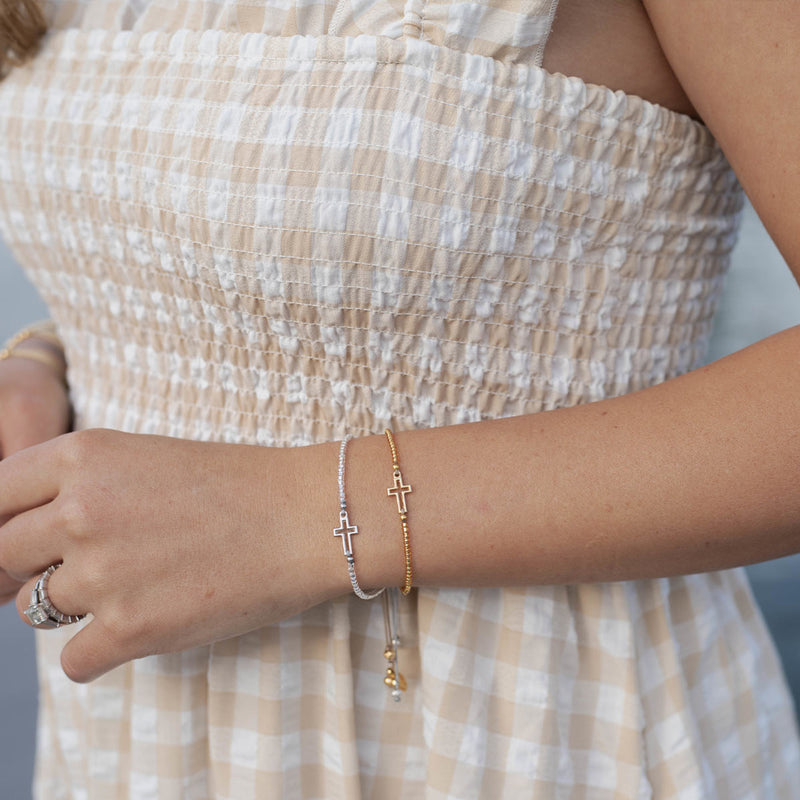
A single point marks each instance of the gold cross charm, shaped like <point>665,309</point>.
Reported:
<point>399,490</point>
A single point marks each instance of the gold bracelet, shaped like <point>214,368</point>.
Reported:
<point>46,329</point>
<point>37,355</point>
<point>39,330</point>
<point>43,330</point>
<point>399,490</point>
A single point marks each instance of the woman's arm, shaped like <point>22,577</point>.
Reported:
<point>698,473</point>
<point>171,543</point>
<point>739,63</point>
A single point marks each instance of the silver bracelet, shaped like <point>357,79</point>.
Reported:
<point>346,530</point>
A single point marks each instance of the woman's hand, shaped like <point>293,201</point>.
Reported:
<point>34,407</point>
<point>167,543</point>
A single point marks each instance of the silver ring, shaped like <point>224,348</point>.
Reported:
<point>41,612</point>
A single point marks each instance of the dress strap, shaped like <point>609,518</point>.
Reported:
<point>514,32</point>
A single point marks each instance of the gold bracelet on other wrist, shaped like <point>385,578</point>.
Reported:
<point>46,332</point>
<point>55,363</point>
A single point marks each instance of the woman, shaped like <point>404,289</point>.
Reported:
<point>262,230</point>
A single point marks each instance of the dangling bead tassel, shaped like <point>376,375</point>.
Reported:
<point>394,678</point>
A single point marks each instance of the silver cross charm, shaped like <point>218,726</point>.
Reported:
<point>345,530</point>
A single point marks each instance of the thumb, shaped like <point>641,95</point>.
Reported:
<point>93,649</point>
<point>92,652</point>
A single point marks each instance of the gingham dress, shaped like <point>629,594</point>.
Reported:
<point>281,223</point>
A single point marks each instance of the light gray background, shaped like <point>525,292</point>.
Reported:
<point>761,298</point>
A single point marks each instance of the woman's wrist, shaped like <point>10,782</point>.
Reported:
<point>311,480</point>
<point>378,548</point>
<point>309,490</point>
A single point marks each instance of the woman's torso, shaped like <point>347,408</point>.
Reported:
<point>529,257</point>
<point>278,224</point>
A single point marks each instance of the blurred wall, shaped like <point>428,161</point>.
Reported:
<point>761,298</point>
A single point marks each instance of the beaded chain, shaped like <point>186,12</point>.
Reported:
<point>44,331</point>
<point>399,490</point>
<point>347,531</point>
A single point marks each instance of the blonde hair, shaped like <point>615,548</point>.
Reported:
<point>21,26</point>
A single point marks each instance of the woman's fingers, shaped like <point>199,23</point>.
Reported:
<point>28,544</point>
<point>95,648</point>
<point>34,408</point>
<point>92,652</point>
<point>8,587</point>
<point>31,477</point>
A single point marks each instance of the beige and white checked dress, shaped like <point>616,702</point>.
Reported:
<point>280,222</point>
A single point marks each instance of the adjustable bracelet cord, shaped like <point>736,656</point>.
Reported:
<point>394,678</point>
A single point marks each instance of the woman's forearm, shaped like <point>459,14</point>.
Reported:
<point>699,473</point>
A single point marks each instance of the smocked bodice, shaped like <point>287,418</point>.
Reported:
<point>280,238</point>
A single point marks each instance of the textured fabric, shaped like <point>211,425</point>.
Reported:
<point>278,224</point>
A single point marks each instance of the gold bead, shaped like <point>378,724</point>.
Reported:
<point>404,517</point>
<point>388,654</point>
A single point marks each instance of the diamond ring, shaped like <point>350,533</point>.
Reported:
<point>41,612</point>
